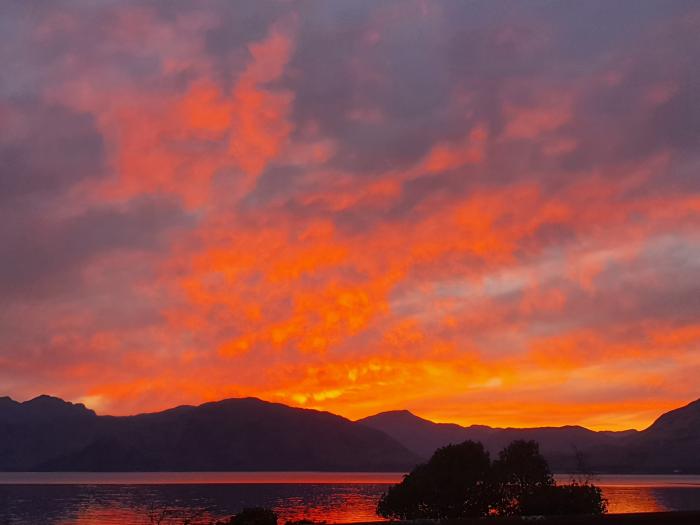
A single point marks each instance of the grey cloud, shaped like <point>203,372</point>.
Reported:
<point>39,257</point>
<point>53,149</point>
<point>661,285</point>
<point>48,151</point>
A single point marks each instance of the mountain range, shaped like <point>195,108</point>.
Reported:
<point>671,444</point>
<point>49,434</point>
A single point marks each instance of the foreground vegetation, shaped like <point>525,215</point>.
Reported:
<point>461,481</point>
<point>256,517</point>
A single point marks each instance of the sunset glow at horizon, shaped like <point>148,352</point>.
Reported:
<point>482,212</point>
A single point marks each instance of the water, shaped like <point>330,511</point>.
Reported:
<point>641,493</point>
<point>131,498</point>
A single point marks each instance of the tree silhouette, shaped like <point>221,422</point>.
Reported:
<point>557,500</point>
<point>519,472</point>
<point>460,481</point>
<point>455,483</point>
<point>252,516</point>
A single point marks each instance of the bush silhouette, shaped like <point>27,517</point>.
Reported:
<point>519,472</point>
<point>455,483</point>
<point>252,516</point>
<point>557,500</point>
<point>460,481</point>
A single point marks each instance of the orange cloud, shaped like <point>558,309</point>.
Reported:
<point>464,232</point>
<point>260,115</point>
<point>450,156</point>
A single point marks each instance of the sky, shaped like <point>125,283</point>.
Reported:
<point>482,211</point>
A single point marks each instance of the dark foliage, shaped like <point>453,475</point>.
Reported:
<point>453,484</point>
<point>460,481</point>
<point>519,472</point>
<point>252,516</point>
<point>558,500</point>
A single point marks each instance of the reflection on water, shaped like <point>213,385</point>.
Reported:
<point>88,499</point>
<point>637,480</point>
<point>112,504</point>
<point>651,499</point>
<point>647,493</point>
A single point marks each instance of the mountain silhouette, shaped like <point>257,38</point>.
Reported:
<point>558,444</point>
<point>48,434</point>
<point>670,445</point>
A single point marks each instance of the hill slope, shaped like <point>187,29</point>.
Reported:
<point>234,434</point>
<point>558,444</point>
<point>671,444</point>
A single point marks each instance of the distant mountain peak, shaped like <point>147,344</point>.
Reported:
<point>395,414</point>
<point>255,402</point>
<point>402,412</point>
<point>684,418</point>
<point>408,419</point>
<point>403,416</point>
<point>51,406</point>
<point>46,399</point>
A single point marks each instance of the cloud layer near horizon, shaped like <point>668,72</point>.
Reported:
<point>486,212</point>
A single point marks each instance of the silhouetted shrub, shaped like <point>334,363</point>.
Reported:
<point>564,499</point>
<point>252,516</point>
<point>304,521</point>
<point>455,483</point>
<point>460,481</point>
<point>519,471</point>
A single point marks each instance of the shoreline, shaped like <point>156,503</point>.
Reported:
<point>303,477</point>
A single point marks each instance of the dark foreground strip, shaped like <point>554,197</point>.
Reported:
<point>642,518</point>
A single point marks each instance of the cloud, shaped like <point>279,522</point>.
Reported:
<point>47,257</point>
<point>465,209</point>
<point>46,149</point>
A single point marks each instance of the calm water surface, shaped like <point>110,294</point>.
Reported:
<point>130,498</point>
